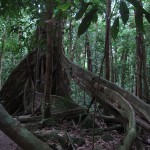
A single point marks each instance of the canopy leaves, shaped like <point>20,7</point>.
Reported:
<point>115,28</point>
<point>124,12</point>
<point>82,10</point>
<point>86,22</point>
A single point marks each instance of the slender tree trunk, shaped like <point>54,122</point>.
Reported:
<point>37,66</point>
<point>19,33</point>
<point>95,54</point>
<point>107,41</point>
<point>141,72</point>
<point>70,35</point>
<point>88,49</point>
<point>74,49</point>
<point>1,56</point>
<point>116,66</point>
<point>123,71</point>
<point>138,66</point>
<point>112,63</point>
<point>49,61</point>
<point>145,73</point>
<point>0,70</point>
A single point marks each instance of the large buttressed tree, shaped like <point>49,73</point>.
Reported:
<point>46,75</point>
<point>46,70</point>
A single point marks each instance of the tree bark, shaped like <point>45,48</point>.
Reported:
<point>123,72</point>
<point>1,57</point>
<point>49,61</point>
<point>20,135</point>
<point>0,70</point>
<point>88,52</point>
<point>86,80</point>
<point>107,41</point>
<point>142,89</point>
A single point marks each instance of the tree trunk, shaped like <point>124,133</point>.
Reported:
<point>128,109</point>
<point>107,41</point>
<point>49,61</point>
<point>70,35</point>
<point>88,52</point>
<point>1,56</point>
<point>112,64</point>
<point>139,66</point>
<point>20,135</point>
<point>142,89</point>
<point>145,75</point>
<point>0,70</point>
<point>38,62</point>
<point>86,81</point>
<point>116,79</point>
<point>123,69</point>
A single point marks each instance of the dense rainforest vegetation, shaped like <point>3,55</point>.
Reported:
<point>75,74</point>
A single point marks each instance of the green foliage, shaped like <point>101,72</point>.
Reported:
<point>124,12</point>
<point>15,40</point>
<point>22,19</point>
<point>115,28</point>
<point>82,10</point>
<point>61,10</point>
<point>86,22</point>
<point>147,16</point>
<point>64,7</point>
<point>7,7</point>
<point>9,62</point>
<point>95,18</point>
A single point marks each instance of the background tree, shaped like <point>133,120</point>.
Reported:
<point>107,40</point>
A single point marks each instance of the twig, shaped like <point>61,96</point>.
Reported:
<point>70,140</point>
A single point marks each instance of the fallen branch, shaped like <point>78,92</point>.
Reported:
<point>20,135</point>
<point>69,114</point>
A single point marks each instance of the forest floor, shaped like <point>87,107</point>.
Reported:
<point>111,137</point>
<point>6,143</point>
<point>108,140</point>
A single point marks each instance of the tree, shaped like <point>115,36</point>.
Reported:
<point>48,64</point>
<point>49,60</point>
<point>142,89</point>
<point>107,40</point>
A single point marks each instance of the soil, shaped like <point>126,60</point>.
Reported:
<point>6,143</point>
